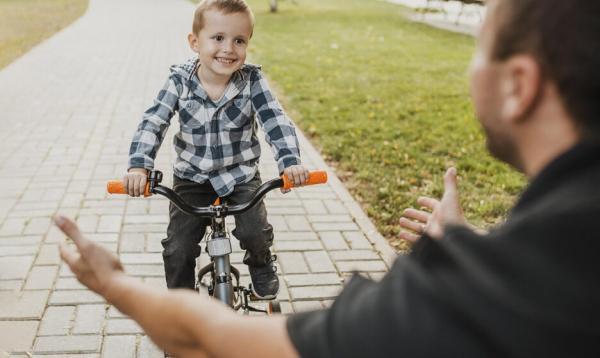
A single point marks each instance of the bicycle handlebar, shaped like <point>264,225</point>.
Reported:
<point>152,187</point>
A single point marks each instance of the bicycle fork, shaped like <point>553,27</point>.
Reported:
<point>219,249</point>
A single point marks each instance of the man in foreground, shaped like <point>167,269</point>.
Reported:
<point>527,288</point>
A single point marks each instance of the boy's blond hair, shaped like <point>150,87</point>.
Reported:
<point>225,6</point>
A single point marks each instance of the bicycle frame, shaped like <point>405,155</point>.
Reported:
<point>219,244</point>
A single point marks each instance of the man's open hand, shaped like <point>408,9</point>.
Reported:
<point>93,265</point>
<point>443,212</point>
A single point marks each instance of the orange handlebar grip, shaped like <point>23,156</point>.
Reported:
<point>116,187</point>
<point>315,177</point>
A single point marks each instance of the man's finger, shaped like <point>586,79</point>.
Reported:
<point>70,229</point>
<point>408,236</point>
<point>412,225</point>
<point>450,186</point>
<point>427,202</point>
<point>68,255</point>
<point>415,214</point>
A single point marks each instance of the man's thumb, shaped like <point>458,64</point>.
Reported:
<point>450,185</point>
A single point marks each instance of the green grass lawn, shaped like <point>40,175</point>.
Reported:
<point>25,23</point>
<point>386,100</point>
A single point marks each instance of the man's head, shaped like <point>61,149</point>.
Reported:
<point>537,59</point>
<point>220,35</point>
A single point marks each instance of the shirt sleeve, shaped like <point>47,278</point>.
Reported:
<point>410,313</point>
<point>279,130</point>
<point>153,127</point>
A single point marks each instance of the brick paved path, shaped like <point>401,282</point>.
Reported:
<point>68,111</point>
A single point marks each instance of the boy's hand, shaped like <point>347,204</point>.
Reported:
<point>297,174</point>
<point>135,181</point>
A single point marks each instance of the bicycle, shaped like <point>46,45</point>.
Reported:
<point>218,245</point>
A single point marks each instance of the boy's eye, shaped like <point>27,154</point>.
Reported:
<point>240,42</point>
<point>219,37</point>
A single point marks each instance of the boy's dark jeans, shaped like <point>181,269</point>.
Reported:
<point>185,232</point>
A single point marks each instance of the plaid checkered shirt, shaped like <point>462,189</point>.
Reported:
<point>217,140</point>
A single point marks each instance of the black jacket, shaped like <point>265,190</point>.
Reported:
<point>530,288</point>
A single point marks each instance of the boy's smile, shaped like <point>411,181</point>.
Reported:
<point>221,44</point>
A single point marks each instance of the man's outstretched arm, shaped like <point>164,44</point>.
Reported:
<point>179,321</point>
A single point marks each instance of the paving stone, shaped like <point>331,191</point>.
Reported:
<point>33,240</point>
<point>361,266</point>
<point>319,261</point>
<point>141,258</point>
<point>314,292</point>
<point>136,207</point>
<point>89,319</point>
<point>113,312</point>
<point>292,236</point>
<point>57,321</point>
<point>377,276</point>
<point>292,262</point>
<point>333,240</point>
<point>87,223</point>
<point>278,223</point>
<point>37,226</point>
<point>68,344</point>
<point>335,207</point>
<point>133,243</point>
<point>329,218</point>
<point>109,223</point>
<point>119,346</point>
<point>22,305</point>
<point>122,326</point>
<point>156,270</point>
<point>17,335</point>
<point>41,278</point>
<point>297,245</point>
<point>357,240</point>
<point>313,279</point>
<point>104,237</point>
<point>145,228</point>
<point>15,267</point>
<point>12,226</point>
<point>297,223</point>
<point>72,200</point>
<point>49,255</point>
<point>314,206</point>
<point>147,219</point>
<point>8,251</point>
<point>10,285</point>
<point>348,255</point>
<point>304,306</point>
<point>148,349</point>
<point>84,355</point>
<point>74,297</point>
<point>336,226</point>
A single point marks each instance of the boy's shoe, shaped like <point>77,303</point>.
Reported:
<point>265,283</point>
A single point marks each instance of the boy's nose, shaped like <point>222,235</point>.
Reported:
<point>228,46</point>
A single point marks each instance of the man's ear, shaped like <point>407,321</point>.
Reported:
<point>193,41</point>
<point>521,87</point>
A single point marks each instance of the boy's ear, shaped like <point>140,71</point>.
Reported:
<point>193,41</point>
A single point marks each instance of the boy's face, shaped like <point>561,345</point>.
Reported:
<point>221,44</point>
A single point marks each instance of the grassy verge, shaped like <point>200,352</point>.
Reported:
<point>25,23</point>
<point>387,102</point>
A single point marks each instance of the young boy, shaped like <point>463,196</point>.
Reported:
<point>217,96</point>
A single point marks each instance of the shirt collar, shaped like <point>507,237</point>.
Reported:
<point>238,79</point>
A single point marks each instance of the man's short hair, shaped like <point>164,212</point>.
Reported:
<point>564,37</point>
<point>225,6</point>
